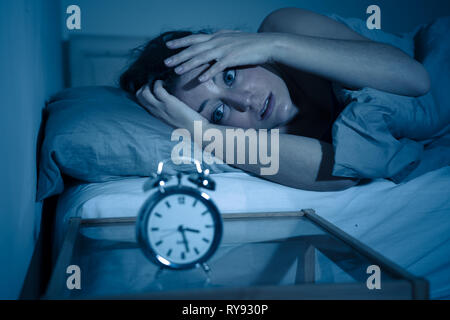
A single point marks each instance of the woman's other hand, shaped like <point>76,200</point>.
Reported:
<point>228,48</point>
<point>168,108</point>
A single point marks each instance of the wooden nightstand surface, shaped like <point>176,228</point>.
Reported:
<point>275,255</point>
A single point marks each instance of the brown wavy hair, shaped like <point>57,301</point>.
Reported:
<point>149,65</point>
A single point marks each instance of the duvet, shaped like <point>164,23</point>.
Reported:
<point>382,135</point>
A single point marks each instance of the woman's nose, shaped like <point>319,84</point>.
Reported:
<point>244,102</point>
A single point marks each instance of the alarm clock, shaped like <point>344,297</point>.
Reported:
<point>179,226</point>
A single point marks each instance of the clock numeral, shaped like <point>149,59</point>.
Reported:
<point>167,204</point>
<point>206,240</point>
<point>183,256</point>
<point>158,243</point>
<point>195,202</point>
<point>155,229</point>
<point>169,252</point>
<point>205,212</point>
<point>208,226</point>
<point>181,200</point>
<point>158,215</point>
<point>196,251</point>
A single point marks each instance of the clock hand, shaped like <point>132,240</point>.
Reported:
<point>192,230</point>
<point>169,229</point>
<point>168,233</point>
<point>181,229</point>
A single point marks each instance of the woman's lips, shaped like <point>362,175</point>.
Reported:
<point>270,106</point>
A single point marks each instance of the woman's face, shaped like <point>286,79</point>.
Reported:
<point>245,97</point>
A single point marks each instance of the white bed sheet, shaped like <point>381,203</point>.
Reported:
<point>408,223</point>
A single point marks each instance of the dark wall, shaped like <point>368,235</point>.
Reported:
<point>30,64</point>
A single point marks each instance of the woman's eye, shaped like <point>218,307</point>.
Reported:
<point>229,76</point>
<point>217,115</point>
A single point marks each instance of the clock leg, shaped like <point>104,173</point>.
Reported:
<point>207,271</point>
<point>158,274</point>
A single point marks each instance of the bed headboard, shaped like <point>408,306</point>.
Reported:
<point>98,60</point>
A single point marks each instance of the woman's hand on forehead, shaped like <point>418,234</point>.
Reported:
<point>227,48</point>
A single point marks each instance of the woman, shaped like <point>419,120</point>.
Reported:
<point>280,77</point>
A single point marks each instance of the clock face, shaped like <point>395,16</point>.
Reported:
<point>182,229</point>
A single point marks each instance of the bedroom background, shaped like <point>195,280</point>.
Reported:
<point>34,65</point>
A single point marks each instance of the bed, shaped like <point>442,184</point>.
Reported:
<point>407,222</point>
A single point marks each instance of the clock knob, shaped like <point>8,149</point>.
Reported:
<point>158,180</point>
<point>203,180</point>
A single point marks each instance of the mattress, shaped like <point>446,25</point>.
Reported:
<point>408,223</point>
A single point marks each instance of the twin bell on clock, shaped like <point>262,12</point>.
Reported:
<point>179,226</point>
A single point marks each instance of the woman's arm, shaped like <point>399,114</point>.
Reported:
<point>304,163</point>
<point>308,42</point>
<point>319,45</point>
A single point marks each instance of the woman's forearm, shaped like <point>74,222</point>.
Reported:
<point>352,63</point>
<point>302,162</point>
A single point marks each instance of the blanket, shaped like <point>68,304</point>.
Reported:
<point>383,135</point>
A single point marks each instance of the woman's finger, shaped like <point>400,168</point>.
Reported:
<point>187,54</point>
<point>145,96</point>
<point>194,39</point>
<point>166,98</point>
<point>188,41</point>
<point>201,59</point>
<point>217,67</point>
<point>160,92</point>
<point>226,31</point>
